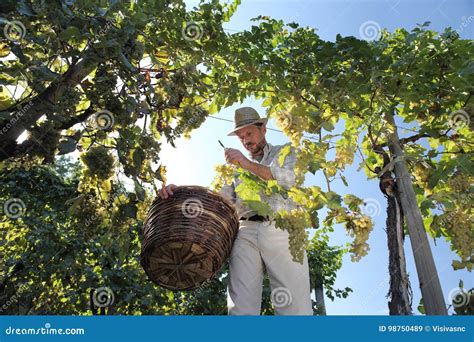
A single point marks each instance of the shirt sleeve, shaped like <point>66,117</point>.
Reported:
<point>284,174</point>
<point>228,192</point>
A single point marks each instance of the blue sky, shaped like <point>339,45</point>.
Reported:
<point>193,160</point>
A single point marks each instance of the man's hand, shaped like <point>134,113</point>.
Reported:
<point>167,191</point>
<point>236,157</point>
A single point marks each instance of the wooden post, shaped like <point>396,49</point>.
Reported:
<point>319,295</point>
<point>425,266</point>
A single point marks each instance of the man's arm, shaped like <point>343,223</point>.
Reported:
<point>284,173</point>
<point>236,157</point>
<point>259,170</point>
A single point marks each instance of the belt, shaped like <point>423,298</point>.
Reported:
<point>255,218</point>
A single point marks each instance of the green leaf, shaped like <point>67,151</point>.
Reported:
<point>328,125</point>
<point>421,307</point>
<point>247,193</point>
<point>314,219</point>
<point>139,190</point>
<point>284,152</point>
<point>70,33</point>
<point>43,73</point>
<point>333,200</point>
<point>315,165</point>
<point>67,146</point>
<point>158,173</point>
<point>261,208</point>
<point>24,8</point>
<point>353,202</point>
<point>457,265</point>
<point>344,180</point>
<point>130,210</point>
<point>126,62</point>
<point>138,158</point>
<point>426,205</point>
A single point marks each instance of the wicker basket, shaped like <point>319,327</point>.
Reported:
<point>188,237</point>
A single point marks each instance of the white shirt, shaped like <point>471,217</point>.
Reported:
<point>284,175</point>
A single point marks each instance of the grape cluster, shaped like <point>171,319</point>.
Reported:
<point>459,224</point>
<point>67,103</point>
<point>134,50</point>
<point>190,118</point>
<point>292,125</point>
<point>104,84</point>
<point>44,139</point>
<point>421,174</point>
<point>460,183</point>
<point>295,222</point>
<point>224,176</point>
<point>303,160</point>
<point>359,227</point>
<point>99,162</point>
<point>344,155</point>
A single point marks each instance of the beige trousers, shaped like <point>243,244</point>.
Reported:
<point>260,246</point>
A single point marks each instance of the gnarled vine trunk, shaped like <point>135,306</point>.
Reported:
<point>400,291</point>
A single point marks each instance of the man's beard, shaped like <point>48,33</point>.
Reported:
<point>258,149</point>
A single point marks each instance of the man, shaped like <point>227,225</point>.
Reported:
<point>259,245</point>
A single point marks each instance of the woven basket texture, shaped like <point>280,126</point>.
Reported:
<point>187,237</point>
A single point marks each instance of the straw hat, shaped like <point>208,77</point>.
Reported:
<point>246,116</point>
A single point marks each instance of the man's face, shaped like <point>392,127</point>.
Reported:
<point>252,138</point>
